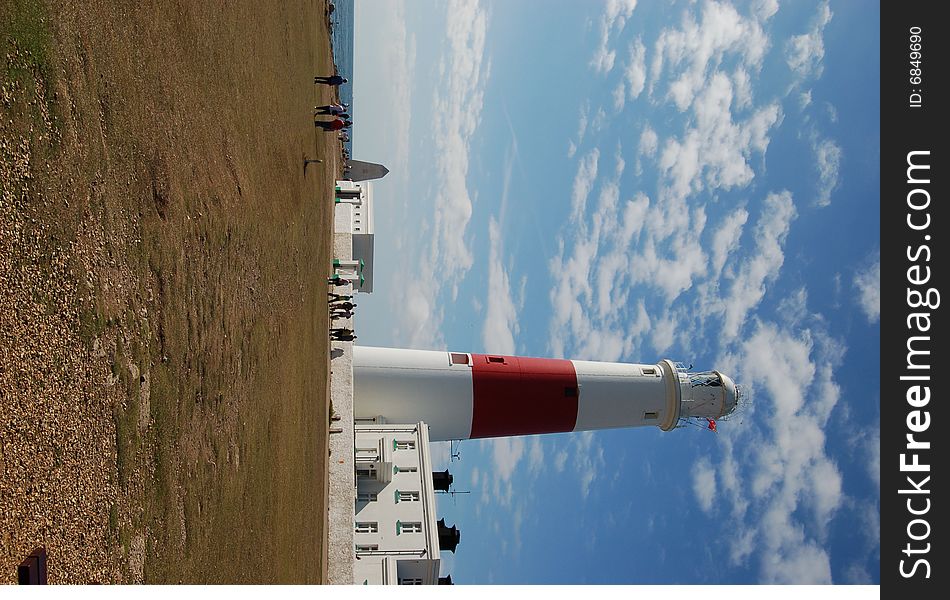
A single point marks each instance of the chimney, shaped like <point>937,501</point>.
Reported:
<point>442,480</point>
<point>448,536</point>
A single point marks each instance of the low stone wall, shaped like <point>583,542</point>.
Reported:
<point>342,479</point>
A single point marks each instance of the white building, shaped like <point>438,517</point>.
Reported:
<point>397,536</point>
<point>354,215</point>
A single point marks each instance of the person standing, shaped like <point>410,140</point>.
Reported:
<point>331,80</point>
<point>334,125</point>
<point>342,334</point>
<point>337,280</point>
<point>331,109</point>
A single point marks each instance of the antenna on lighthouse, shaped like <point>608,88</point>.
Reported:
<point>743,403</point>
<point>454,454</point>
<point>452,493</point>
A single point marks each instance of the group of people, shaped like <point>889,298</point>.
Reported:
<point>341,307</point>
<point>341,118</point>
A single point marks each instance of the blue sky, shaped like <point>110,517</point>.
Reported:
<point>631,181</point>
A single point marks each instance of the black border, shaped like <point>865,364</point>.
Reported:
<point>904,129</point>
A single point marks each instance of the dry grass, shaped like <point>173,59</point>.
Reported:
<point>163,254</point>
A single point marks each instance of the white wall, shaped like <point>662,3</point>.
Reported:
<point>413,555</point>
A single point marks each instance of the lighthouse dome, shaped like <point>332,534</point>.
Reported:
<point>707,394</point>
<point>731,394</point>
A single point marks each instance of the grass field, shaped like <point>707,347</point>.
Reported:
<point>163,323</point>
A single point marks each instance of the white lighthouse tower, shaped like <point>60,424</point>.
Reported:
<point>467,396</point>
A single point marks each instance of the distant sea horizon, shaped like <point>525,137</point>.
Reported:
<point>341,42</point>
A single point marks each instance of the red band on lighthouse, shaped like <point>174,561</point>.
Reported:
<point>522,396</point>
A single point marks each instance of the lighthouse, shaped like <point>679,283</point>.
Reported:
<point>463,395</point>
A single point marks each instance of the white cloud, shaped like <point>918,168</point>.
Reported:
<point>603,59</point>
<point>796,562</point>
<point>601,266</point>
<point>726,239</point>
<point>392,80</point>
<point>633,219</point>
<point>648,141</point>
<point>704,484</point>
<point>611,22</point>
<point>508,483</point>
<point>868,284</point>
<point>588,459</point>
<point>583,182</point>
<point>742,88</point>
<point>716,151</point>
<point>804,52</point>
<point>592,276</point>
<point>501,314</point>
<point>619,96</point>
<point>728,471</point>
<point>598,120</point>
<point>787,370</point>
<point>828,158</point>
<point>638,267</point>
<point>793,308</point>
<point>441,453</point>
<point>512,157</point>
<point>873,449</point>
<point>826,485</point>
<point>582,120</point>
<point>535,453</point>
<point>781,362</point>
<point>420,317</point>
<point>662,334</point>
<point>831,111</point>
<point>764,9</point>
<point>741,546</point>
<point>635,71</point>
<point>804,99</point>
<point>870,513</point>
<point>688,54</point>
<point>456,114</point>
<point>748,287</point>
<point>506,454</point>
<point>857,574</point>
<point>617,12</point>
<point>387,112</point>
<point>560,459</point>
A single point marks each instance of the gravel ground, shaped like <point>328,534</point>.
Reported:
<point>163,255</point>
<point>57,438</point>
